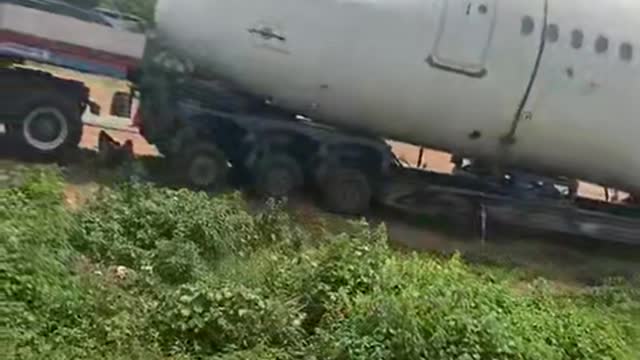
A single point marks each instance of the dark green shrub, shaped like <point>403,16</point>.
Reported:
<point>206,279</point>
<point>434,310</point>
<point>177,263</point>
<point>258,353</point>
<point>345,266</point>
<point>125,226</point>
<point>35,271</point>
<point>209,318</point>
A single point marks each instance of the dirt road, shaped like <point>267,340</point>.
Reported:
<point>91,133</point>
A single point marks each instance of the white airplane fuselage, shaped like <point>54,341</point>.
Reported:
<point>544,84</point>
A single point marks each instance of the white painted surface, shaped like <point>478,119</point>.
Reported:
<point>363,64</point>
<point>471,22</point>
<point>71,31</point>
<point>3,129</point>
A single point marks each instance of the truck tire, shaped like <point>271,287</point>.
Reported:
<point>49,127</point>
<point>347,191</point>
<point>203,166</point>
<point>277,176</point>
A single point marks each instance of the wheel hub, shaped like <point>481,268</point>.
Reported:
<point>204,171</point>
<point>349,192</point>
<point>45,129</point>
<point>279,182</point>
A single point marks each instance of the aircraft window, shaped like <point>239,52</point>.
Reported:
<point>527,25</point>
<point>553,33</point>
<point>577,37</point>
<point>626,52</point>
<point>602,44</point>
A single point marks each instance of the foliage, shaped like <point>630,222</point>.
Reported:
<point>211,318</point>
<point>440,310</point>
<point>173,232</point>
<point>149,273</point>
<point>143,8</point>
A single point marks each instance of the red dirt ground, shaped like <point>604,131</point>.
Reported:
<point>140,146</point>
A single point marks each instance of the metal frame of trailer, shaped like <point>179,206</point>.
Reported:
<point>414,190</point>
<point>245,131</point>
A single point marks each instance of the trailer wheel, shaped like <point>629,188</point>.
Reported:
<point>347,191</point>
<point>204,166</point>
<point>50,127</point>
<point>277,176</point>
<point>457,211</point>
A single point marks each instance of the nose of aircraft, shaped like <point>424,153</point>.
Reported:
<point>221,36</point>
<point>186,28</point>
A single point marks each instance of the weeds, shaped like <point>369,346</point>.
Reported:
<point>148,273</point>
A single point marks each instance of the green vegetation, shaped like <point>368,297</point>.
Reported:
<point>148,273</point>
<point>142,8</point>
<point>145,9</point>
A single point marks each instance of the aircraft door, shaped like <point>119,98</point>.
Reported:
<point>464,35</point>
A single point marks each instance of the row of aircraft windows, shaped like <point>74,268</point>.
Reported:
<point>601,45</point>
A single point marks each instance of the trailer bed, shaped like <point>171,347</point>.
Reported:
<point>417,191</point>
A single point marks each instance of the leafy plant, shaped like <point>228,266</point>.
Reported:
<point>221,317</point>
<point>150,273</point>
<point>441,310</point>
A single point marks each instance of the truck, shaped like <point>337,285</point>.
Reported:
<point>40,112</point>
<point>211,126</point>
<point>210,131</point>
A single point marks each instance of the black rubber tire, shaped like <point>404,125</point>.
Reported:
<point>57,112</point>
<point>277,176</point>
<point>347,191</point>
<point>459,212</point>
<point>203,166</point>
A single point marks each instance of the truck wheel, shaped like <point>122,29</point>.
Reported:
<point>277,176</point>
<point>204,166</point>
<point>347,191</point>
<point>50,127</point>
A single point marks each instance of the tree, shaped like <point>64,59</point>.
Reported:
<point>143,8</point>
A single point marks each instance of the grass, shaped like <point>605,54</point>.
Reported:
<point>138,271</point>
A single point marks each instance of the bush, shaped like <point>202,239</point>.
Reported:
<point>441,310</point>
<point>126,226</point>
<point>148,273</point>
<point>209,318</point>
<point>258,353</point>
<point>178,263</point>
<point>35,271</point>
